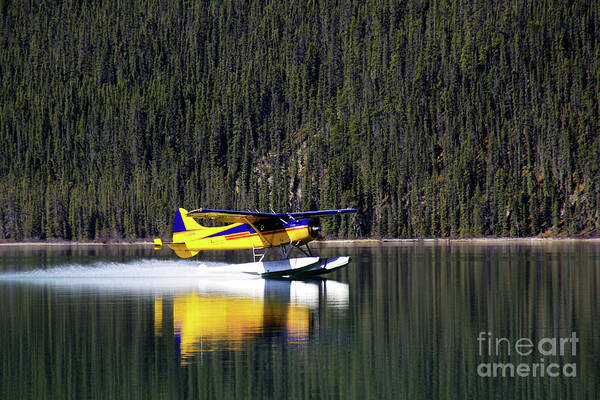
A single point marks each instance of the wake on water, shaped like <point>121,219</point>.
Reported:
<point>153,275</point>
<point>132,269</point>
<point>164,277</point>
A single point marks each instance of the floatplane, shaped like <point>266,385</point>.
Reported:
<point>259,232</point>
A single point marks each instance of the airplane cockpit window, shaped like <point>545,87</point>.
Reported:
<point>269,225</point>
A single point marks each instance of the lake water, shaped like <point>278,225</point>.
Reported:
<point>415,320</point>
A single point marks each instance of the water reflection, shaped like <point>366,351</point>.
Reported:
<point>227,315</point>
<point>122,325</point>
<point>196,305</point>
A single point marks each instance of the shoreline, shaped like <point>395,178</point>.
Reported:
<point>482,240</point>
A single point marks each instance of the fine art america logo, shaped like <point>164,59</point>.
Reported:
<point>495,348</point>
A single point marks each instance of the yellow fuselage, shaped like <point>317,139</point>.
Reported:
<point>237,237</point>
<point>211,239</point>
<point>189,237</point>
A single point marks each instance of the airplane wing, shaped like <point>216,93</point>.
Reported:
<point>230,216</point>
<point>320,213</point>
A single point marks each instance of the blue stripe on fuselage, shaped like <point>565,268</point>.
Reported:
<point>235,229</point>
<point>247,228</point>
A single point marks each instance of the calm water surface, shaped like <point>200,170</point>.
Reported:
<point>402,321</point>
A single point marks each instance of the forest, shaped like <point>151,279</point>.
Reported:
<point>433,118</point>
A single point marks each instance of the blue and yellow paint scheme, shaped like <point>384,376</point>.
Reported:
<point>224,314</point>
<point>245,230</point>
<point>222,322</point>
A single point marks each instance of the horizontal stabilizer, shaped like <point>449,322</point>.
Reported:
<point>179,248</point>
<point>182,251</point>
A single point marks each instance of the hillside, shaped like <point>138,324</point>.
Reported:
<point>434,119</point>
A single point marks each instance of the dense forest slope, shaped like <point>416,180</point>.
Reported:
<point>433,118</point>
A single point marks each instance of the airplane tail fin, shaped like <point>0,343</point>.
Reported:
<point>181,224</point>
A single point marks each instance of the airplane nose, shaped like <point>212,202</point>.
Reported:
<point>314,228</point>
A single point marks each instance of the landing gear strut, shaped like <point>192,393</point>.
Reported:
<point>307,252</point>
<point>286,249</point>
<point>259,253</point>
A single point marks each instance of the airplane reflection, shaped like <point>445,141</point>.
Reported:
<point>227,315</point>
